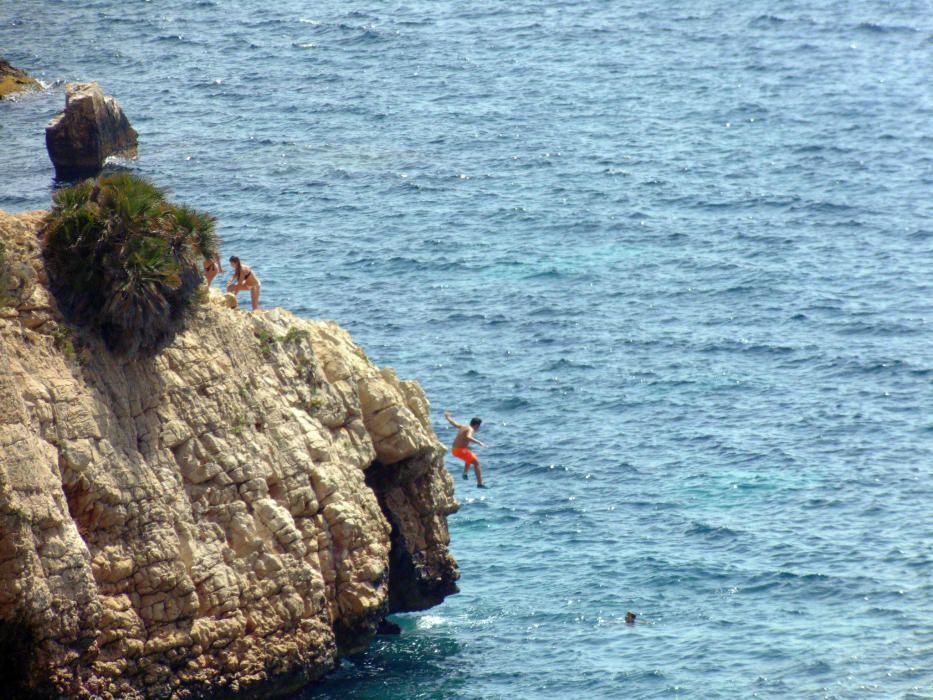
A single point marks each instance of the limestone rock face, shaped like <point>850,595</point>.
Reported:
<point>14,80</point>
<point>222,519</point>
<point>91,128</point>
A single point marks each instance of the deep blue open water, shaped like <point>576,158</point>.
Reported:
<point>678,256</point>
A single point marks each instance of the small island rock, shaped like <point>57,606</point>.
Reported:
<point>91,128</point>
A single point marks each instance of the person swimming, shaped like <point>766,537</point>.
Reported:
<point>461,447</point>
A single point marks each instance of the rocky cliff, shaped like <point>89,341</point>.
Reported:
<point>226,517</point>
<point>13,80</point>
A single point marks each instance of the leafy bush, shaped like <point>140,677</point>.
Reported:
<point>267,342</point>
<point>123,261</point>
<point>295,334</point>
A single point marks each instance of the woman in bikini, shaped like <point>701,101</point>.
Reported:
<point>243,279</point>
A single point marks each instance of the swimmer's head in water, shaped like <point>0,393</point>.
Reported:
<point>630,618</point>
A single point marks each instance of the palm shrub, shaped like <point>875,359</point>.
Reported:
<point>123,261</point>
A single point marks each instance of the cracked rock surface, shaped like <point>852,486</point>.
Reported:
<point>224,518</point>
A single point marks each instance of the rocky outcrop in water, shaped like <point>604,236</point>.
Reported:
<point>92,128</point>
<point>14,80</point>
<point>223,518</point>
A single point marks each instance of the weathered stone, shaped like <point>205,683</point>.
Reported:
<point>92,128</point>
<point>14,80</point>
<point>197,523</point>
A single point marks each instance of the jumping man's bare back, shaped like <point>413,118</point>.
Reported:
<point>464,433</point>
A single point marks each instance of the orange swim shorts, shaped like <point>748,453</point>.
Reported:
<point>463,453</point>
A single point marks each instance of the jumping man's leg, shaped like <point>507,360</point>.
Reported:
<point>467,457</point>
<point>479,473</point>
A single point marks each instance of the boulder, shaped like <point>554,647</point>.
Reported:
<point>92,128</point>
<point>13,80</point>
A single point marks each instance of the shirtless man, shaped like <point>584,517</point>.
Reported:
<point>461,446</point>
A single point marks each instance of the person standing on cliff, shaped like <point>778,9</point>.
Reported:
<point>461,447</point>
<point>243,279</point>
<point>211,268</point>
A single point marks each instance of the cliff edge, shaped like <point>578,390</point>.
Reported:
<point>223,518</point>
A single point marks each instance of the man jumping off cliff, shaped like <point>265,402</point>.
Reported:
<point>461,446</point>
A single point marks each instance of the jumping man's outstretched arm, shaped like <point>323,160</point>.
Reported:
<point>452,421</point>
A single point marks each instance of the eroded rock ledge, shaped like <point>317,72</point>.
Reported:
<point>14,80</point>
<point>222,519</point>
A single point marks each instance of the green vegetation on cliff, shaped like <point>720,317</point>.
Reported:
<point>5,284</point>
<point>123,261</point>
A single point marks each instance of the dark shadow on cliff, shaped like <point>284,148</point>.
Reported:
<point>17,654</point>
<point>418,578</point>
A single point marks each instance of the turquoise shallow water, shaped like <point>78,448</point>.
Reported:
<point>678,256</point>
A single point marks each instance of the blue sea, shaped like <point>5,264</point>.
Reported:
<point>677,255</point>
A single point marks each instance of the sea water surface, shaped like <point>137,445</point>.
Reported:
<point>677,255</point>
